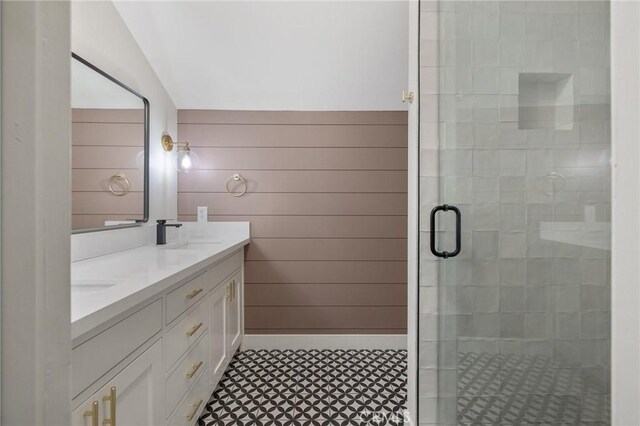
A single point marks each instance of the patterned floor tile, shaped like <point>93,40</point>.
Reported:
<point>523,390</point>
<point>311,387</point>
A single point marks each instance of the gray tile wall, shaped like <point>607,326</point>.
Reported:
<point>532,283</point>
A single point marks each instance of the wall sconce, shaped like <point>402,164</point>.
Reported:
<point>187,160</point>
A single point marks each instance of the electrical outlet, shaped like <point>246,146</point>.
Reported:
<point>203,215</point>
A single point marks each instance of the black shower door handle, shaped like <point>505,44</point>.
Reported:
<point>434,212</point>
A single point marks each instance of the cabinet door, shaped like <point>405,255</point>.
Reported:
<point>138,392</point>
<point>217,332</point>
<point>84,414</point>
<point>234,315</point>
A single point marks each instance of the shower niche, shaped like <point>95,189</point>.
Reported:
<point>545,101</point>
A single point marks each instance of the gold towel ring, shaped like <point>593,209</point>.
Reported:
<point>119,177</point>
<point>236,177</point>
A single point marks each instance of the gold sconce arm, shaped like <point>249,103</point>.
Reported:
<point>168,143</point>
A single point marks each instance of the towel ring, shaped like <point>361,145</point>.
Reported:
<point>236,177</point>
<point>551,179</point>
<point>119,177</point>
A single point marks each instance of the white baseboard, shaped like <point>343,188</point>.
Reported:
<point>324,341</point>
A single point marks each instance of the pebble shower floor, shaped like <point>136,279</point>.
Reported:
<point>311,387</point>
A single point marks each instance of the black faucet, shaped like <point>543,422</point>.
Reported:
<point>161,231</point>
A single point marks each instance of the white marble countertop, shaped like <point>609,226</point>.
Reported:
<point>106,286</point>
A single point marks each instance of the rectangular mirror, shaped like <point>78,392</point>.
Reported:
<point>110,151</point>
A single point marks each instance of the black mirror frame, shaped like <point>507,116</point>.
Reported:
<point>145,213</point>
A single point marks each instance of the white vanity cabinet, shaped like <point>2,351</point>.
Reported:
<point>132,397</point>
<point>186,335</point>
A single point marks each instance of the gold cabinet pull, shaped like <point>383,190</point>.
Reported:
<point>194,293</point>
<point>193,330</point>
<point>229,292</point>
<point>112,407</point>
<point>194,369</point>
<point>93,413</point>
<point>193,412</point>
<point>233,290</point>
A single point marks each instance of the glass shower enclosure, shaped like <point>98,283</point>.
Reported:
<point>515,147</point>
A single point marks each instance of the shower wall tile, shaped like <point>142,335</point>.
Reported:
<point>538,326</point>
<point>486,300</point>
<point>512,244</point>
<point>513,272</point>
<point>512,299</point>
<point>595,325</point>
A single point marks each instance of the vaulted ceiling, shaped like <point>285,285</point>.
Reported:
<point>275,55</point>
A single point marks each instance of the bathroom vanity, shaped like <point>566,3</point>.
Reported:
<point>154,327</point>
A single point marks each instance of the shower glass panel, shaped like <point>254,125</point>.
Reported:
<point>515,133</point>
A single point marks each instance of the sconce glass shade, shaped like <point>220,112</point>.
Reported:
<point>187,160</point>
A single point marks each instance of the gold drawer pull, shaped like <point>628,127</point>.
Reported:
<point>93,413</point>
<point>112,407</point>
<point>193,371</point>
<point>233,290</point>
<point>194,293</point>
<point>193,413</point>
<point>193,330</point>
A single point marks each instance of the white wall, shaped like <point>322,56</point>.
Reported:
<point>92,90</point>
<point>276,55</point>
<point>99,35</point>
<point>625,268</point>
<point>36,197</point>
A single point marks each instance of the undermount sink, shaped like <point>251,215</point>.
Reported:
<point>92,285</point>
<point>190,245</point>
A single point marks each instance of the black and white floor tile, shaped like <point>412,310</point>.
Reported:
<point>508,390</point>
<point>311,387</point>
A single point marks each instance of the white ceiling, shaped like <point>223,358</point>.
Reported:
<point>275,55</point>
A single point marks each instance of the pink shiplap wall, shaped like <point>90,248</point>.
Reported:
<point>105,142</point>
<point>327,202</point>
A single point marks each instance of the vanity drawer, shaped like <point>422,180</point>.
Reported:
<point>222,270</point>
<point>189,409</point>
<point>188,371</point>
<point>180,299</point>
<point>95,357</point>
<point>185,333</point>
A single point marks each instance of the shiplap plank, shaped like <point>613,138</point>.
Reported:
<point>312,136</point>
<point>231,158</point>
<point>296,181</point>
<point>326,249</point>
<point>104,157</point>
<point>291,117</point>
<point>105,203</point>
<point>325,317</point>
<point>317,226</point>
<point>330,272</point>
<point>295,204</point>
<point>108,134</point>
<point>288,294</point>
<point>83,180</point>
<point>109,115</point>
